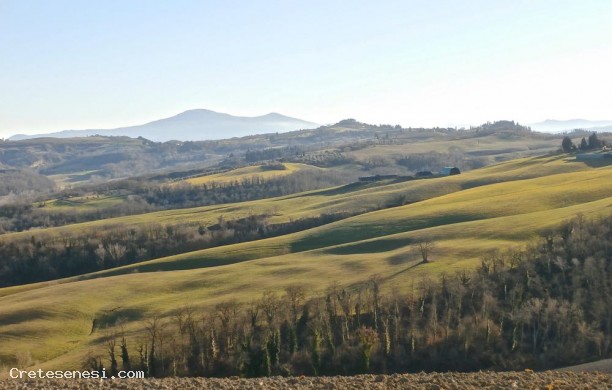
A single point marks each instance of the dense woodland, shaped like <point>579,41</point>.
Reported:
<point>544,307</point>
<point>22,181</point>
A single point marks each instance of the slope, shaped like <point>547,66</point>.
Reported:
<point>53,321</point>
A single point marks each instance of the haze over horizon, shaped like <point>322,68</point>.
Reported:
<point>111,64</point>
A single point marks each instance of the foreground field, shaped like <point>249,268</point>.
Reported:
<point>455,381</point>
<point>604,366</point>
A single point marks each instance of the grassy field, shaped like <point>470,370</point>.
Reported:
<point>467,216</point>
<point>493,148</point>
<point>358,197</point>
<point>66,179</point>
<point>82,203</point>
<point>248,173</point>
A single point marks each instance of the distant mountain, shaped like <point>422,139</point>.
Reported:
<point>556,126</point>
<point>193,125</point>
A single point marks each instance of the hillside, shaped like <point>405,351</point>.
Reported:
<point>360,147</point>
<point>256,172</point>
<point>466,216</point>
<point>50,182</point>
<point>245,221</point>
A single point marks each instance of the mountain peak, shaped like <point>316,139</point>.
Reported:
<point>195,125</point>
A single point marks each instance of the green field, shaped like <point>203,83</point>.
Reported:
<point>466,216</point>
<point>248,173</point>
<point>82,203</point>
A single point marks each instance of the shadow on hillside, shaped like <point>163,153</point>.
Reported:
<point>596,163</point>
<point>416,264</point>
<point>109,318</point>
<point>337,191</point>
<point>378,246</point>
<point>364,283</point>
<point>20,316</point>
<point>358,185</point>
<point>402,258</point>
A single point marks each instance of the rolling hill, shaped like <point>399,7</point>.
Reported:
<point>467,216</point>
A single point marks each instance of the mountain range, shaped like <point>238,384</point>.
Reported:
<point>557,126</point>
<point>193,125</point>
<point>202,124</point>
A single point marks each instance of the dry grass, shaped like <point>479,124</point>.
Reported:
<point>248,173</point>
<point>467,216</point>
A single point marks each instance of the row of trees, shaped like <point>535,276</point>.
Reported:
<point>434,161</point>
<point>593,143</point>
<point>140,197</point>
<point>544,307</point>
<point>46,257</point>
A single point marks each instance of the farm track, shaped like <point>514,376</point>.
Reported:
<point>450,381</point>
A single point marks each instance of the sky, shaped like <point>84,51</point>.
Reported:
<point>104,64</point>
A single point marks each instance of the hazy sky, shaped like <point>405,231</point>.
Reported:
<point>103,64</point>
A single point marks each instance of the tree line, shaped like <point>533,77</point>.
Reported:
<point>44,256</point>
<point>593,143</point>
<point>141,197</point>
<point>543,307</point>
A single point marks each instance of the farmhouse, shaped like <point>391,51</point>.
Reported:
<point>448,171</point>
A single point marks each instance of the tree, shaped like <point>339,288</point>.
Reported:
<point>583,144</point>
<point>567,145</point>
<point>270,305</point>
<point>594,142</point>
<point>125,357</point>
<point>110,347</point>
<point>295,294</point>
<point>425,248</point>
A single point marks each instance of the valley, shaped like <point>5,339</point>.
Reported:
<point>143,264</point>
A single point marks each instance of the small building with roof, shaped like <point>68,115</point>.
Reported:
<point>449,171</point>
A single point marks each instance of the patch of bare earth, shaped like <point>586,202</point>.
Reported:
<point>481,380</point>
<point>600,365</point>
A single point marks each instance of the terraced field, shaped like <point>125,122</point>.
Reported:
<point>467,216</point>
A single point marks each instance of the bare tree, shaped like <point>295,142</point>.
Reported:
<point>270,305</point>
<point>295,295</point>
<point>111,342</point>
<point>425,247</point>
<point>228,314</point>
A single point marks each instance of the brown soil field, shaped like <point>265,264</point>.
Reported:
<point>481,380</point>
<point>600,365</point>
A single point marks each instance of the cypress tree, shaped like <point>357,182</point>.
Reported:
<point>125,357</point>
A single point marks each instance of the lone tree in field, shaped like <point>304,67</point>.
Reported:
<point>425,248</point>
<point>567,145</point>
